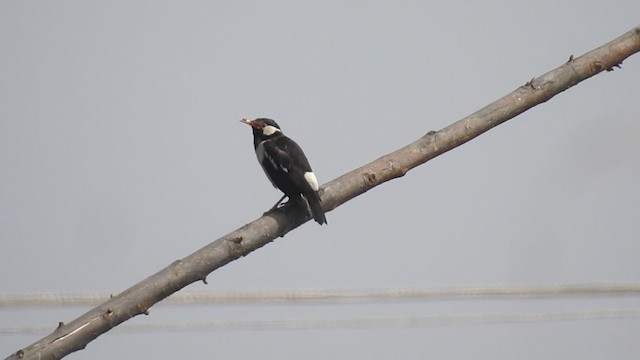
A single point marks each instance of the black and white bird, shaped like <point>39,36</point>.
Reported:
<point>286,165</point>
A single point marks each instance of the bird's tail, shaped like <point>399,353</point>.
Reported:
<point>316,208</point>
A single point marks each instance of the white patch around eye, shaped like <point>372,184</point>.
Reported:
<point>311,179</point>
<point>269,130</point>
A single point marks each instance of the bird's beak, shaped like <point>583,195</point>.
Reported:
<point>250,123</point>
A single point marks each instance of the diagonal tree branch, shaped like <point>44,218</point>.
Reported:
<point>137,300</point>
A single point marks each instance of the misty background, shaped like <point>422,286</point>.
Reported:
<point>121,151</point>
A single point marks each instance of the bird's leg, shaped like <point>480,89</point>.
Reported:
<point>278,203</point>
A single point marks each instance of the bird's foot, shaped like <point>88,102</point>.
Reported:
<point>278,207</point>
<point>279,204</point>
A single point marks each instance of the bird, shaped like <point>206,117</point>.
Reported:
<point>286,166</point>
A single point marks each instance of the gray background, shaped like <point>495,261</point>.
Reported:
<point>121,151</point>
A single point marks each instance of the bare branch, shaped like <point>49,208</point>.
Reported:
<point>67,338</point>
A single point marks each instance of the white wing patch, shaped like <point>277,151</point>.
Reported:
<point>311,179</point>
<point>269,130</point>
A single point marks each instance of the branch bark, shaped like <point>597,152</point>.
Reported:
<point>136,300</point>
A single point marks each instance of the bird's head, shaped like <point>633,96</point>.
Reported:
<point>263,126</point>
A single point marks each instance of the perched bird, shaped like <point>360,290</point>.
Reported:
<point>286,165</point>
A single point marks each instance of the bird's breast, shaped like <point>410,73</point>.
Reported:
<point>260,151</point>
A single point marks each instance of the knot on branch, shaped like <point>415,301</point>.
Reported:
<point>370,179</point>
<point>142,309</point>
<point>108,315</point>
<point>529,84</point>
<point>596,67</point>
<point>396,171</point>
<point>236,247</point>
<point>430,136</point>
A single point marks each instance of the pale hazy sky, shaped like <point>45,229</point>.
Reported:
<point>121,151</point>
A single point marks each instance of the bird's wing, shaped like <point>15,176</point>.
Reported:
<point>291,159</point>
<point>289,155</point>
